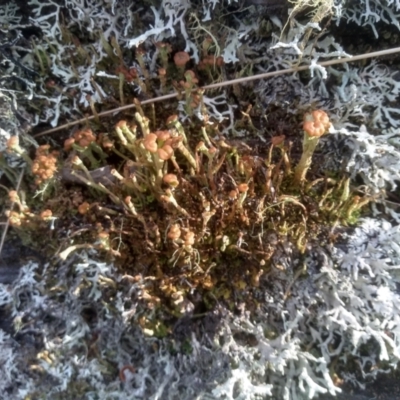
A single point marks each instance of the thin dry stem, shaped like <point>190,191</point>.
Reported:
<point>4,234</point>
<point>225,83</point>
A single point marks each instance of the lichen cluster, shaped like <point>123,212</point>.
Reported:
<point>191,211</point>
<point>210,245</point>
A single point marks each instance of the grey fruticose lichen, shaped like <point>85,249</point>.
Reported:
<point>345,310</point>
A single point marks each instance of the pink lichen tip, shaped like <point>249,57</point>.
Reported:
<point>316,123</point>
<point>181,58</point>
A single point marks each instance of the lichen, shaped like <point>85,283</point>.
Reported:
<point>183,257</point>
